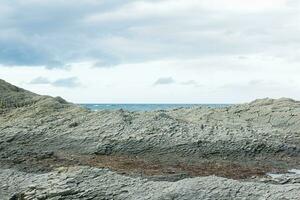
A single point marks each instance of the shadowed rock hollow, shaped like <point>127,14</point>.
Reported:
<point>52,149</point>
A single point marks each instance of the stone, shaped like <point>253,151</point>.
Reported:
<point>53,149</point>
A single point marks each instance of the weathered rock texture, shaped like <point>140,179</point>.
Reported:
<point>91,183</point>
<point>35,129</point>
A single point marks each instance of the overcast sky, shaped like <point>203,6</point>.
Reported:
<point>152,51</point>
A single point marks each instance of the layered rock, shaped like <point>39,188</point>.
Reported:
<point>36,128</point>
<point>91,183</point>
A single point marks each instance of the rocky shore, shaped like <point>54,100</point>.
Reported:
<point>53,149</point>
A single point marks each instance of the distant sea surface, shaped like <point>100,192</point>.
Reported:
<point>148,107</point>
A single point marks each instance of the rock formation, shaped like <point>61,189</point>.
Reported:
<point>52,149</point>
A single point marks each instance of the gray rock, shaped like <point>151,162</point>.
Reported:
<point>92,183</point>
<point>35,129</point>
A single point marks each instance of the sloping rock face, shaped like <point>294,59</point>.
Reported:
<point>12,96</point>
<point>35,130</point>
<point>90,183</point>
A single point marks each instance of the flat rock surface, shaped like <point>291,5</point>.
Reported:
<point>92,183</point>
<point>53,149</point>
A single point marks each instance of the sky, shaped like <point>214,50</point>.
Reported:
<point>152,51</point>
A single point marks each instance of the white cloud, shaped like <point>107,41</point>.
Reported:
<point>164,81</point>
<point>190,82</point>
<point>139,10</point>
<point>245,5</point>
<point>236,50</point>
<point>40,80</point>
<point>154,30</point>
<point>252,77</point>
<point>69,82</point>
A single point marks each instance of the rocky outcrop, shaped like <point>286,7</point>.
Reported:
<point>35,130</point>
<point>261,128</point>
<point>91,183</point>
<point>12,96</point>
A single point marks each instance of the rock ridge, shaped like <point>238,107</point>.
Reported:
<point>35,129</point>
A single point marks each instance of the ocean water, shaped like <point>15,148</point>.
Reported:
<point>147,107</point>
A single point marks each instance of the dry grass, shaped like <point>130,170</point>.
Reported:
<point>137,166</point>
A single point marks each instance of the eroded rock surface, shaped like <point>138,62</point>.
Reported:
<point>92,183</point>
<point>35,129</point>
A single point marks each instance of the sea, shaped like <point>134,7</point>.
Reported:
<point>148,107</point>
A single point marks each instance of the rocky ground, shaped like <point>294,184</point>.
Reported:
<point>52,149</point>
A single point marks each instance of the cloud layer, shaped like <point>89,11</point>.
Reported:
<point>70,82</point>
<point>56,33</point>
<point>164,81</point>
<point>200,50</point>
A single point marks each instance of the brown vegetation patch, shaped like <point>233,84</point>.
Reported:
<point>135,165</point>
<point>132,165</point>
